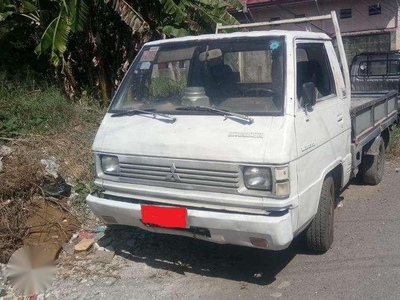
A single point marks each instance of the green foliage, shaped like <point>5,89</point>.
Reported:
<point>83,189</point>
<point>87,45</point>
<point>31,108</point>
<point>55,38</point>
<point>394,146</point>
<point>165,87</point>
<point>196,16</point>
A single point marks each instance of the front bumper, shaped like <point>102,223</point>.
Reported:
<point>224,227</point>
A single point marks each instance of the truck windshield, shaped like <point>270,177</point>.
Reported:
<point>243,75</point>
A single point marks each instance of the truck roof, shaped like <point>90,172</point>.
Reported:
<point>289,34</point>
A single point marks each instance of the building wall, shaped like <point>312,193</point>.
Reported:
<point>361,32</point>
<point>360,20</point>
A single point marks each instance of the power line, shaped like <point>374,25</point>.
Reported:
<point>366,18</point>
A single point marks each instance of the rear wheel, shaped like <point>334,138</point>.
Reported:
<point>319,234</point>
<point>372,166</point>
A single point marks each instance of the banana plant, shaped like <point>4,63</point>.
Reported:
<point>72,17</point>
<point>177,17</point>
<point>199,16</point>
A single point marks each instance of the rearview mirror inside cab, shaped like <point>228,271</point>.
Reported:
<point>309,94</point>
<point>211,54</point>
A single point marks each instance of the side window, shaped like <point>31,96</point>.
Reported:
<point>394,67</point>
<point>377,68</point>
<point>313,66</point>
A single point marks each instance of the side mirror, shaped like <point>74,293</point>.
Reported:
<point>309,95</point>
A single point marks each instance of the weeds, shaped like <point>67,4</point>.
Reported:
<point>394,147</point>
<point>30,106</point>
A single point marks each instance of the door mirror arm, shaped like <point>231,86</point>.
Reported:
<point>309,95</point>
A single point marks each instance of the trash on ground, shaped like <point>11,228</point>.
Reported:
<point>51,166</point>
<point>2,292</point>
<point>5,151</point>
<point>340,204</point>
<point>58,189</point>
<point>98,236</point>
<point>84,234</point>
<point>101,228</point>
<point>84,244</point>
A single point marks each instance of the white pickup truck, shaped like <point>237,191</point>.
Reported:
<point>242,138</point>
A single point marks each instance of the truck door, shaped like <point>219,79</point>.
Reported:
<point>319,128</point>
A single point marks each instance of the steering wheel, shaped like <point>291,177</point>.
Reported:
<point>259,92</point>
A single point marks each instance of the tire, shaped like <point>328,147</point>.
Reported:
<point>319,235</point>
<point>373,166</point>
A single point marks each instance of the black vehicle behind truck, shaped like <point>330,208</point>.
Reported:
<point>375,72</point>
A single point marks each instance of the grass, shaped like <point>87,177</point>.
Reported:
<point>394,147</point>
<point>38,122</point>
<point>31,107</point>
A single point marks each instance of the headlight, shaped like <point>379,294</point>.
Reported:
<point>110,164</point>
<point>258,178</point>
<point>272,179</point>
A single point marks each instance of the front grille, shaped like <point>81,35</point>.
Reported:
<point>176,174</point>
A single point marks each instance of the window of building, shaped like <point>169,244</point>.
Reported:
<point>313,66</point>
<point>345,13</point>
<point>375,9</point>
<point>275,19</point>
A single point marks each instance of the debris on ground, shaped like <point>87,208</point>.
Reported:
<point>69,248</point>
<point>2,292</point>
<point>86,234</point>
<point>5,151</point>
<point>84,244</point>
<point>51,166</point>
<point>57,189</point>
<point>340,205</point>
<point>101,228</point>
<point>104,255</point>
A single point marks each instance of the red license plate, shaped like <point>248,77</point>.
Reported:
<point>168,217</point>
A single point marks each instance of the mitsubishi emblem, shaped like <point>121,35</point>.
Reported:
<point>173,176</point>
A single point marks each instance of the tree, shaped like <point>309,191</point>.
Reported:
<point>86,43</point>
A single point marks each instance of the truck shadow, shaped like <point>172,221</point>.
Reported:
<point>183,255</point>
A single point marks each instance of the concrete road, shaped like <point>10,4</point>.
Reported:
<point>364,262</point>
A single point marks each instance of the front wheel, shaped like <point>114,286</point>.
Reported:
<point>319,234</point>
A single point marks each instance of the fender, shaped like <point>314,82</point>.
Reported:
<point>372,148</point>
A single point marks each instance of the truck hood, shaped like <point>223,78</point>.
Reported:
<point>200,137</point>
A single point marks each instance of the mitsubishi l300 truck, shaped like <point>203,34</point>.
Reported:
<point>242,138</point>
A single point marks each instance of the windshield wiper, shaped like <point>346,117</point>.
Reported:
<point>223,112</point>
<point>144,112</point>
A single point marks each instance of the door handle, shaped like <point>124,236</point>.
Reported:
<point>340,118</point>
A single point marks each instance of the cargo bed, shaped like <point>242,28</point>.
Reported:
<point>371,113</point>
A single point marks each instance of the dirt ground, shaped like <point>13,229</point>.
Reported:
<point>364,262</point>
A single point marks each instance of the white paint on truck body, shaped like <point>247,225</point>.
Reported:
<point>310,143</point>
